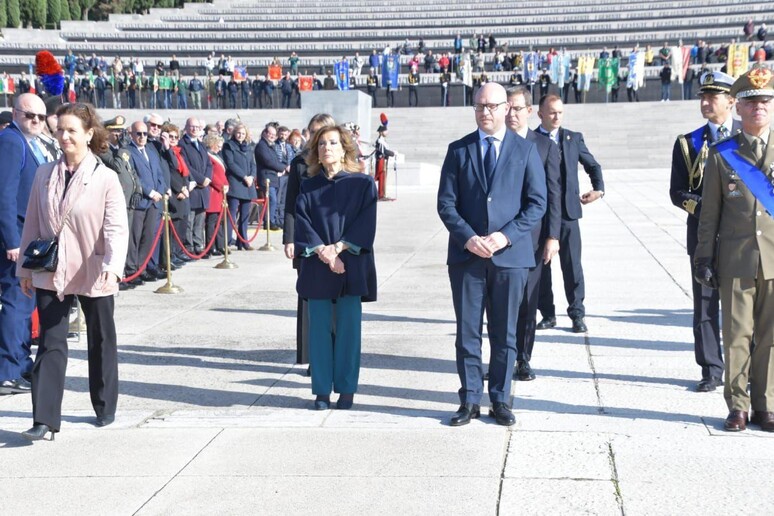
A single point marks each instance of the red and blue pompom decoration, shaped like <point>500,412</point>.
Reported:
<point>50,72</point>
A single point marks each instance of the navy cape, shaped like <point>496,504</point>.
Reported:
<point>329,211</point>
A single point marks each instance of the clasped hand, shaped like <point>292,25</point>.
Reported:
<point>329,256</point>
<point>486,246</point>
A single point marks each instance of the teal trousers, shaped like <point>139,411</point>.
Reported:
<point>334,344</point>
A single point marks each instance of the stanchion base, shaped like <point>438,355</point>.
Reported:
<point>226,264</point>
<point>267,247</point>
<point>169,288</point>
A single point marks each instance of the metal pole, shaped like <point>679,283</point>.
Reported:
<point>226,263</point>
<point>267,246</point>
<point>169,287</point>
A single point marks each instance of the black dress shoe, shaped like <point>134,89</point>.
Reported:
<point>125,286</point>
<point>18,386</point>
<point>579,325</point>
<point>148,276</point>
<point>464,414</point>
<point>38,432</point>
<point>546,323</point>
<point>523,372</point>
<point>275,227</point>
<point>247,247</point>
<point>161,274</point>
<point>137,282</point>
<point>345,401</point>
<point>177,262</point>
<point>104,420</point>
<point>322,403</point>
<point>709,384</point>
<point>184,258</point>
<point>216,252</point>
<point>502,414</point>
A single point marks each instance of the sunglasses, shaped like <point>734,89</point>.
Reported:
<point>140,133</point>
<point>33,116</point>
<point>151,124</point>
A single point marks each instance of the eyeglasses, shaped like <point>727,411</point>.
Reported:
<point>518,109</point>
<point>174,137</point>
<point>140,134</point>
<point>489,107</point>
<point>151,124</point>
<point>33,116</point>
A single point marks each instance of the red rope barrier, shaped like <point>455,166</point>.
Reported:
<point>209,246</point>
<point>148,258</point>
<point>260,223</point>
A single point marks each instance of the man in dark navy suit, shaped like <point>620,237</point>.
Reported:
<point>491,194</point>
<point>146,218</point>
<point>200,168</point>
<point>545,234</point>
<point>22,153</point>
<point>573,151</point>
<point>685,188</point>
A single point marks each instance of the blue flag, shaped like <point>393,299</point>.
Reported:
<point>341,69</point>
<point>390,70</point>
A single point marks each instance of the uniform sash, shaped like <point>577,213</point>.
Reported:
<point>754,178</point>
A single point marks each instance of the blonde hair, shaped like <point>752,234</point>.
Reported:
<point>350,163</point>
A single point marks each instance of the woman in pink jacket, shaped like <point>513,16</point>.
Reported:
<point>81,197</point>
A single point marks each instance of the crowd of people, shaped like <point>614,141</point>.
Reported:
<point>58,248</point>
<point>223,82</point>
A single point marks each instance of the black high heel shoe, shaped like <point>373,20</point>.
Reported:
<point>322,403</point>
<point>38,433</point>
<point>345,401</point>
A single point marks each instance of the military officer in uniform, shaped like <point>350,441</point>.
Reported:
<point>735,250</point>
<point>688,157</point>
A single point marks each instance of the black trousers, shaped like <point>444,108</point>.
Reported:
<point>48,373</point>
<point>572,274</point>
<point>210,221</point>
<point>144,226</point>
<point>706,328</point>
<point>527,320</point>
<point>413,95</point>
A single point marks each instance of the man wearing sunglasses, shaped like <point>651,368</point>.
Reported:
<point>22,153</point>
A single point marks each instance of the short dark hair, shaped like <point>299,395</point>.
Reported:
<point>546,99</point>
<point>515,91</point>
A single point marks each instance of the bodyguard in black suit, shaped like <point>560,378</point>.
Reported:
<point>685,189</point>
<point>491,194</point>
<point>545,234</point>
<point>573,151</point>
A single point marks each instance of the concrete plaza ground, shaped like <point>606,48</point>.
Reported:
<point>215,418</point>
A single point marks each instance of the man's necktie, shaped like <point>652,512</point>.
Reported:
<point>37,151</point>
<point>722,132</point>
<point>196,144</point>
<point>490,160</point>
<point>145,155</point>
<point>757,149</point>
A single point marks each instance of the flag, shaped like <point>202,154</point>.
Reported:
<point>275,72</point>
<point>71,97</point>
<point>305,83</point>
<point>390,70</point>
<point>738,59</point>
<point>585,72</point>
<point>531,66</point>
<point>686,62</point>
<point>2,85</point>
<point>636,70</point>
<point>10,86</point>
<point>341,69</point>
<point>240,73</point>
<point>32,79</point>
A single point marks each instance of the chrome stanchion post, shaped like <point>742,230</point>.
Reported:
<point>268,246</point>
<point>226,263</point>
<point>169,287</point>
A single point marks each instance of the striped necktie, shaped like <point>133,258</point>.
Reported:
<point>37,151</point>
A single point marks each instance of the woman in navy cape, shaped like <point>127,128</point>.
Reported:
<point>334,236</point>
